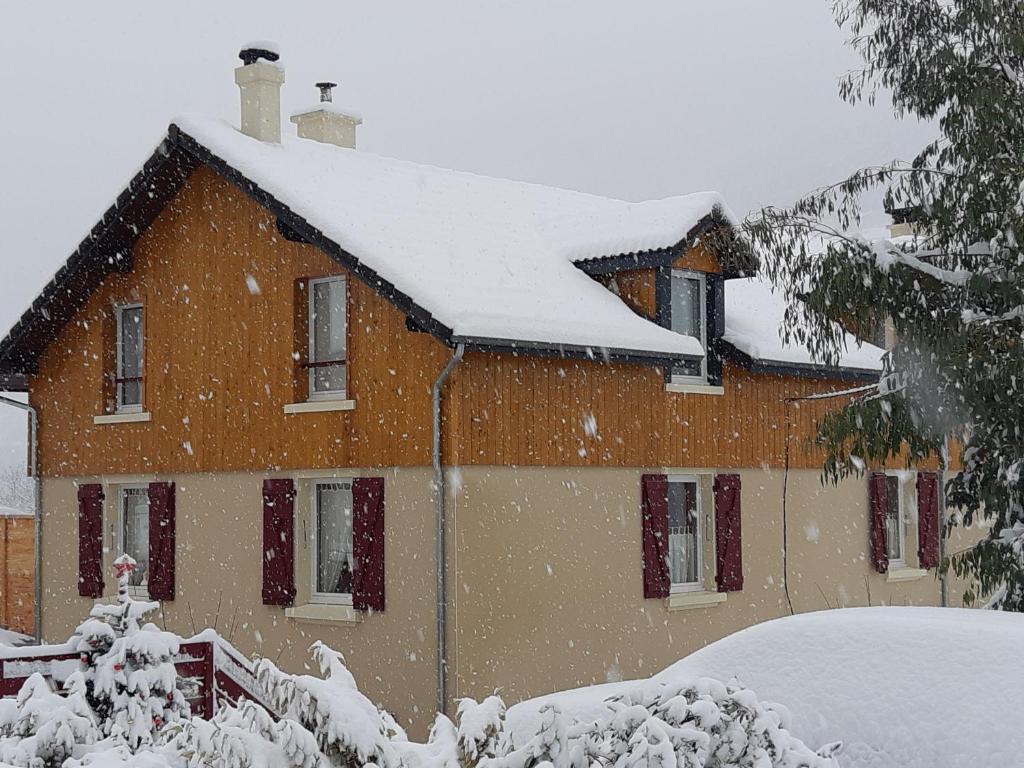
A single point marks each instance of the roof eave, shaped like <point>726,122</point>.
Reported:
<point>573,351</point>
<point>816,371</point>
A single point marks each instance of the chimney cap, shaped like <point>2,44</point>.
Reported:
<point>325,90</point>
<point>259,49</point>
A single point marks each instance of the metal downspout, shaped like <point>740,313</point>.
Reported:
<point>442,588</point>
<point>33,462</point>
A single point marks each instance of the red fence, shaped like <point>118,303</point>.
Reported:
<point>214,673</point>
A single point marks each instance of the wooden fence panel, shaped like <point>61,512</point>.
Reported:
<point>17,580</point>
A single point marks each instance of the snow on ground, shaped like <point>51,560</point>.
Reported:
<point>489,258</point>
<point>906,687</point>
<point>754,321</point>
<point>8,637</point>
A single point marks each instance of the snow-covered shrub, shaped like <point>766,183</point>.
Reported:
<point>703,724</point>
<point>41,727</point>
<point>349,728</point>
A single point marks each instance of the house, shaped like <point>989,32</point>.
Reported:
<point>290,378</point>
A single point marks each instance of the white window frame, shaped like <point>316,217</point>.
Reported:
<point>339,394</point>
<point>703,280</point>
<point>901,561</point>
<point>326,598</point>
<point>692,586</point>
<point>120,406</point>
<point>122,534</point>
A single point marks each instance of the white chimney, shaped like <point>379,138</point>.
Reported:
<point>327,122</point>
<point>259,81</point>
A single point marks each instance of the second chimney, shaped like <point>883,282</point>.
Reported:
<point>326,122</point>
<point>259,80</point>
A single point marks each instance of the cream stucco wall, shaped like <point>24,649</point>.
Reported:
<point>219,578</point>
<point>547,585</point>
<point>545,575</point>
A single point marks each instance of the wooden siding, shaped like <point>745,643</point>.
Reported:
<point>524,411</point>
<point>219,367</point>
<point>219,360</point>
<point>17,594</point>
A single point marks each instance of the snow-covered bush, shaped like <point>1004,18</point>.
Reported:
<point>41,727</point>
<point>701,724</point>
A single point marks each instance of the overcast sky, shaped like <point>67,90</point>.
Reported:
<point>634,100</point>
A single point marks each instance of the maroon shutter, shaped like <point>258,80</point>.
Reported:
<point>90,540</point>
<point>728,541</point>
<point>368,543</point>
<point>654,512</point>
<point>278,542</point>
<point>928,519</point>
<point>878,504</point>
<point>161,541</point>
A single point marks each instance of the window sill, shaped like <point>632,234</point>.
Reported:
<point>694,389</point>
<point>905,574</point>
<point>123,418</point>
<point>324,613</point>
<point>683,601</point>
<point>320,406</point>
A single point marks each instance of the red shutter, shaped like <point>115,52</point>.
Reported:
<point>368,543</point>
<point>278,542</point>
<point>90,540</point>
<point>878,504</point>
<point>728,540</point>
<point>654,512</point>
<point>161,541</point>
<point>928,519</point>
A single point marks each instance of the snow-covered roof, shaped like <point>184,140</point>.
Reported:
<point>754,322</point>
<point>490,259</point>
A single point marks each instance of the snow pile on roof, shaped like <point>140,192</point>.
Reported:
<point>908,687</point>
<point>14,512</point>
<point>490,259</point>
<point>754,322</point>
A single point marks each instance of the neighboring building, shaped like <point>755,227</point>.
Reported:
<point>234,377</point>
<point>17,599</point>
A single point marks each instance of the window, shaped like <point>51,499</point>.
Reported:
<point>688,317</point>
<point>684,534</point>
<point>328,328</point>
<point>135,533</point>
<point>128,374</point>
<point>332,546</point>
<point>894,526</point>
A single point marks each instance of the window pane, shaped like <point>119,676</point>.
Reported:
<point>687,317</point>
<point>329,378</point>
<point>334,565</point>
<point>130,356</point>
<point>329,336</point>
<point>135,536</point>
<point>683,533</point>
<point>893,537</point>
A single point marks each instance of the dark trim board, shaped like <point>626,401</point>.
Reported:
<point>567,351</point>
<point>810,371</point>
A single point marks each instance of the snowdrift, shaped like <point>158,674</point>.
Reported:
<point>907,687</point>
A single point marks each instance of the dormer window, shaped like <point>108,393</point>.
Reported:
<point>128,376</point>
<point>689,317</point>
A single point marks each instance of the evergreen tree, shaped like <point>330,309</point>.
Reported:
<point>128,671</point>
<point>954,292</point>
